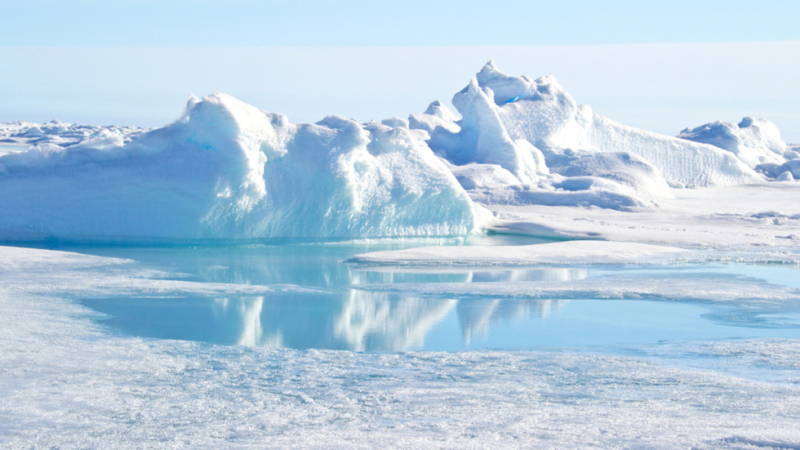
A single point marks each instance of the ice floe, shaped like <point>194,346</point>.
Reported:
<point>68,382</point>
<point>85,276</point>
<point>716,289</point>
<point>572,252</point>
<point>759,223</point>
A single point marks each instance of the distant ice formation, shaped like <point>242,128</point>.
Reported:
<point>225,169</point>
<point>757,142</point>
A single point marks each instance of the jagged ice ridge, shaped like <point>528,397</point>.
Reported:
<point>225,169</point>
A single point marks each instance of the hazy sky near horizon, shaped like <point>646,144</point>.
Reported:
<point>661,66</point>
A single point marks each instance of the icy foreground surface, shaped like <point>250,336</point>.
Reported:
<point>225,169</point>
<point>758,223</point>
<point>228,170</point>
<point>66,382</point>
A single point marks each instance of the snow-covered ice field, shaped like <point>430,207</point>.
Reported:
<point>521,272</point>
<point>72,378</point>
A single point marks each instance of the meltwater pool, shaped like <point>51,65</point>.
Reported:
<point>385,309</point>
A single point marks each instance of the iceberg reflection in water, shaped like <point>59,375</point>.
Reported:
<point>367,309</point>
<point>357,320</point>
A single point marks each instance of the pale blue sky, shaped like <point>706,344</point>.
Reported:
<point>656,65</point>
<point>398,23</point>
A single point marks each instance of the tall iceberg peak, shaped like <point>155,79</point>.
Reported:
<point>483,137</point>
<point>509,89</point>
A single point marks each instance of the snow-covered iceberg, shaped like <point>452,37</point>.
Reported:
<point>527,141</point>
<point>225,169</point>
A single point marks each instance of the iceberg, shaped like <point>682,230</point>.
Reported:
<point>228,170</point>
<point>225,169</point>
<point>562,152</point>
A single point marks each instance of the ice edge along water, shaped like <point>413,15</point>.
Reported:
<point>225,169</point>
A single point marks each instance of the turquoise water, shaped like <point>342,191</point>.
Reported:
<point>347,314</point>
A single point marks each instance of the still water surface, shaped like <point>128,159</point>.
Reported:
<point>344,315</point>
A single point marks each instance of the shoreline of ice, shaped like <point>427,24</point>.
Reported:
<point>575,252</point>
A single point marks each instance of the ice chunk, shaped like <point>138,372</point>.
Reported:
<point>792,152</point>
<point>483,138</point>
<point>436,108</point>
<point>437,115</point>
<point>475,176</point>
<point>429,123</point>
<point>226,169</point>
<point>754,141</point>
<point>791,167</point>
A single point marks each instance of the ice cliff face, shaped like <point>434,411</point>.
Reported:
<point>227,170</point>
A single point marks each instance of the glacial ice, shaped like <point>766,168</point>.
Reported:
<point>543,115</point>
<point>225,169</point>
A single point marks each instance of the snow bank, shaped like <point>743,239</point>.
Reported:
<point>226,169</point>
